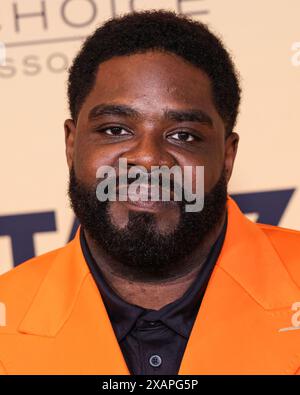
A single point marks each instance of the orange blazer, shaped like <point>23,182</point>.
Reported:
<point>56,322</point>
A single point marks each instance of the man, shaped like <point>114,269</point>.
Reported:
<point>147,287</point>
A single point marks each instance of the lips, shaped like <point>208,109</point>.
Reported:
<point>143,193</point>
<point>147,204</point>
<point>142,198</point>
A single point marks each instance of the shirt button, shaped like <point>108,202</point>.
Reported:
<point>155,361</point>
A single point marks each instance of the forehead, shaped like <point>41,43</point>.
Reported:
<point>163,73</point>
<point>151,81</point>
<point>153,73</point>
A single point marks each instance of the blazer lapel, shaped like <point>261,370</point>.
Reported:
<point>247,301</point>
<point>68,312</point>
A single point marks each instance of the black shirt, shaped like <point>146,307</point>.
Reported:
<point>153,341</point>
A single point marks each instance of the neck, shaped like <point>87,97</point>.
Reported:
<point>154,295</point>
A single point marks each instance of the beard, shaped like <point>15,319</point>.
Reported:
<point>140,251</point>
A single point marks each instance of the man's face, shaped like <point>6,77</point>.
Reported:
<point>142,108</point>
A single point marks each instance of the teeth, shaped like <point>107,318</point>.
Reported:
<point>139,196</point>
<point>143,192</point>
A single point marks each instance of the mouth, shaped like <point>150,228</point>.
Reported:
<point>142,199</point>
<point>144,192</point>
<point>149,205</point>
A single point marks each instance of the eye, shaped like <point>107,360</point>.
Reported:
<point>115,131</point>
<point>183,136</point>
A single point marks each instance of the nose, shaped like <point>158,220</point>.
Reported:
<point>149,151</point>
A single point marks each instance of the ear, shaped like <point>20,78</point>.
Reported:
<point>70,132</point>
<point>231,146</point>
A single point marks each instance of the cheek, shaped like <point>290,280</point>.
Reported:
<point>89,157</point>
<point>212,163</point>
<point>202,179</point>
<point>212,173</point>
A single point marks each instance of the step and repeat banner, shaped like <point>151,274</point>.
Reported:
<point>39,38</point>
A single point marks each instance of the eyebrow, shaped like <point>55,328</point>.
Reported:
<point>191,115</point>
<point>112,109</point>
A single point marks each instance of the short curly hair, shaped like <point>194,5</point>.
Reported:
<point>139,32</point>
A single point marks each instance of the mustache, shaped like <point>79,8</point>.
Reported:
<point>145,185</point>
<point>121,179</point>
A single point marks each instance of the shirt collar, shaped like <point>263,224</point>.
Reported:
<point>122,314</point>
<point>178,315</point>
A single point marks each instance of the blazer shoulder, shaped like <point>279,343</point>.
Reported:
<point>18,287</point>
<point>28,271</point>
<point>281,236</point>
<point>286,243</point>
